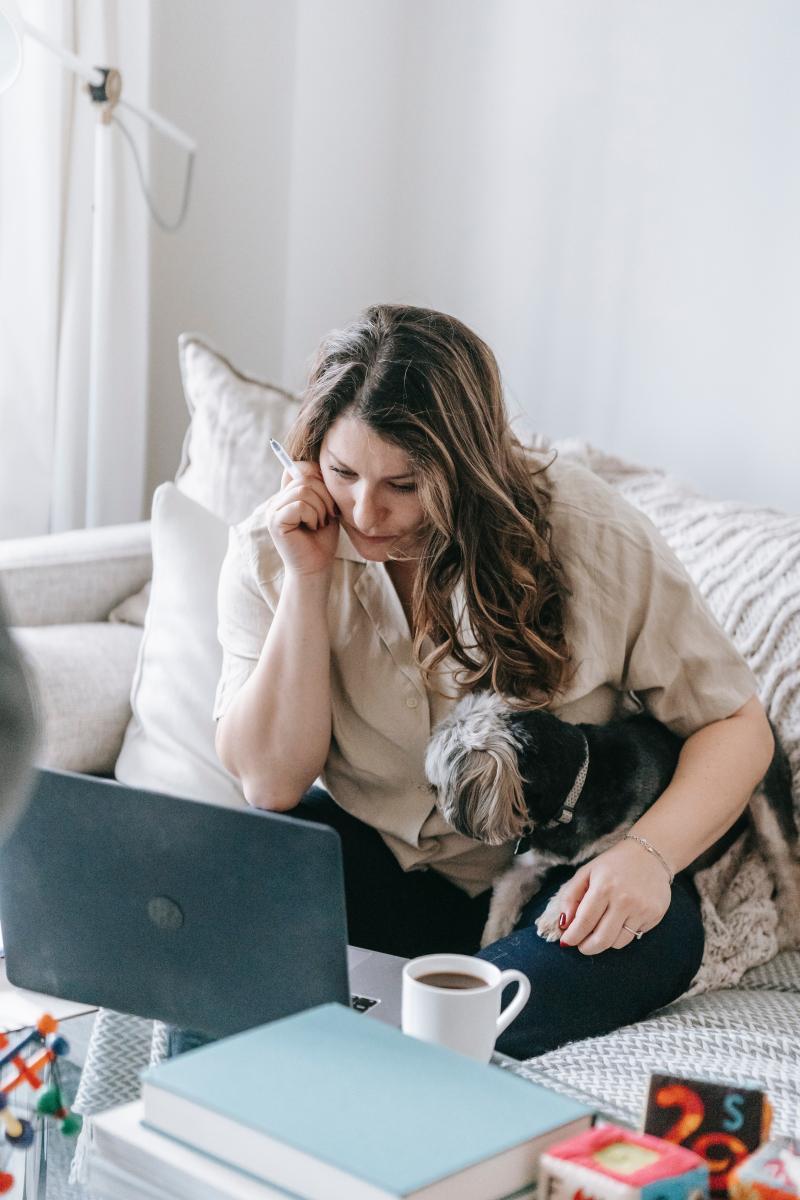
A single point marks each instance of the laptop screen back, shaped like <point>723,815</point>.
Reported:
<point>210,918</point>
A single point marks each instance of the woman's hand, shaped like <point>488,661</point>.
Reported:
<point>622,886</point>
<point>303,521</point>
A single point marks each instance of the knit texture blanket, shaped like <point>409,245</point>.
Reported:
<point>745,1035</point>
<point>745,562</point>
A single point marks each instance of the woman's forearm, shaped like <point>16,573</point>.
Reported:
<point>718,768</point>
<point>276,733</point>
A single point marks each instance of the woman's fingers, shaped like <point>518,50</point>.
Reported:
<point>312,496</point>
<point>311,482</point>
<point>568,897</point>
<point>625,936</point>
<point>586,915</point>
<point>305,512</point>
<point>582,909</point>
<point>608,933</point>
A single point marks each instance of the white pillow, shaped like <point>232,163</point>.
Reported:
<point>227,464</point>
<point>169,742</point>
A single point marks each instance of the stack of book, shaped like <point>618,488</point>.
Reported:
<point>326,1105</point>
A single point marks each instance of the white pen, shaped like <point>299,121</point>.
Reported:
<point>283,459</point>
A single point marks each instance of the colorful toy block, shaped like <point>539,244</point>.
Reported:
<point>721,1122</point>
<point>610,1163</point>
<point>771,1173</point>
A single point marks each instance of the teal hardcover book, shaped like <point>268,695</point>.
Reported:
<point>330,1105</point>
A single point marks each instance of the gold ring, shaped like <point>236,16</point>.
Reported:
<point>637,933</point>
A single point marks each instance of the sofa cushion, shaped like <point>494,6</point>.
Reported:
<point>227,464</point>
<point>169,742</point>
<point>81,676</point>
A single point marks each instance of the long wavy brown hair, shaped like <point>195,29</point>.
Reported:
<point>425,382</point>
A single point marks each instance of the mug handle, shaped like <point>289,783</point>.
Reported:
<point>519,1001</point>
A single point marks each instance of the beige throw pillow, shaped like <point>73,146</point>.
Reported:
<point>169,742</point>
<point>226,463</point>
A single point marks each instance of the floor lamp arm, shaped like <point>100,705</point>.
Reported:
<point>97,78</point>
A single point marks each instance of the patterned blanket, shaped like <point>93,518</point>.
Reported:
<point>748,1034</point>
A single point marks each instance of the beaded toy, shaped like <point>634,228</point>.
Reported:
<point>47,1047</point>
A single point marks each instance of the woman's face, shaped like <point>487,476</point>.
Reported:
<point>374,486</point>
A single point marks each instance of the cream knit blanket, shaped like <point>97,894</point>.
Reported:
<point>746,563</point>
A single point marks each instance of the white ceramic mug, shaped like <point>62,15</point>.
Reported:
<point>467,1019</point>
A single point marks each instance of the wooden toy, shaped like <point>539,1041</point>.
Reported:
<point>771,1173</point>
<point>610,1163</point>
<point>721,1122</point>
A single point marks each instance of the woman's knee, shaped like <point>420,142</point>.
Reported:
<point>575,995</point>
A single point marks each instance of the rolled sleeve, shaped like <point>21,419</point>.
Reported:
<point>637,623</point>
<point>679,661</point>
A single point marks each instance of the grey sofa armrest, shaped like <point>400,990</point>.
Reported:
<point>17,729</point>
<point>80,677</point>
<point>74,577</point>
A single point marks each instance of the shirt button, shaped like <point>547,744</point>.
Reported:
<point>411,701</point>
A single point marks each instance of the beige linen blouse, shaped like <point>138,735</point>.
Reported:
<point>639,632</point>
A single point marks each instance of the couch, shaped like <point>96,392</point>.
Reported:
<point>118,628</point>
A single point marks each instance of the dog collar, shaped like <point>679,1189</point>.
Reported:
<point>566,812</point>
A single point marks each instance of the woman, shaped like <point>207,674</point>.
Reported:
<point>425,552</point>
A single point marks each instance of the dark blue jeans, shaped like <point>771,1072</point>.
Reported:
<point>576,995</point>
<point>573,995</point>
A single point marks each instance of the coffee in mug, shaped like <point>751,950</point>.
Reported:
<point>454,1000</point>
<point>451,979</point>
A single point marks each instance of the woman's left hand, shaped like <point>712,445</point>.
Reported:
<point>622,886</point>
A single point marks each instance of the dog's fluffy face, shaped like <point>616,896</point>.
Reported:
<point>491,779</point>
<point>500,772</point>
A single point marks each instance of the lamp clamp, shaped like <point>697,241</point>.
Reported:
<point>107,92</point>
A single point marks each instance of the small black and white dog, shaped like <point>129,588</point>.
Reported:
<point>567,792</point>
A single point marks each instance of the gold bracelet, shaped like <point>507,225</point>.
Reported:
<point>634,837</point>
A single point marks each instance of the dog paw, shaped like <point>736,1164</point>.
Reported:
<point>547,924</point>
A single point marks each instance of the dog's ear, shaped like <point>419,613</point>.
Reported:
<point>479,793</point>
<point>492,794</point>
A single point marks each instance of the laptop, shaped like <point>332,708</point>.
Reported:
<point>209,918</point>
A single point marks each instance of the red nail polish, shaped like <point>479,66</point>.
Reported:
<point>563,943</point>
<point>562,921</point>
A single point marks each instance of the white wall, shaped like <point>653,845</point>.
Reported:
<point>223,72</point>
<point>607,193</point>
